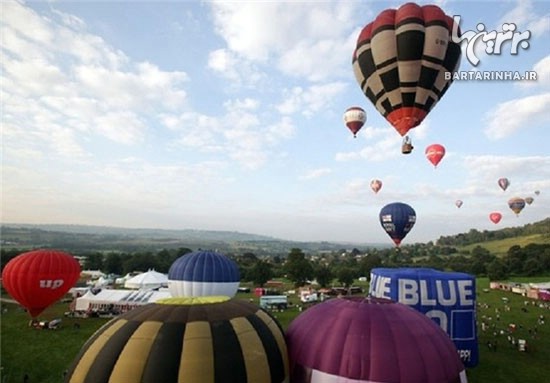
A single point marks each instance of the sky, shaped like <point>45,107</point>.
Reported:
<point>229,116</point>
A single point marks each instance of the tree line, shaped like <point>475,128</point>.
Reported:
<point>341,267</point>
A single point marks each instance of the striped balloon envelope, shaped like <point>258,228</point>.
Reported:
<point>403,62</point>
<point>186,340</point>
<point>203,273</point>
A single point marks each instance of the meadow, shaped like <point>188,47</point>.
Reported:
<point>45,354</point>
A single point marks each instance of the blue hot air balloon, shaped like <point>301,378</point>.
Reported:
<point>203,273</point>
<point>397,219</point>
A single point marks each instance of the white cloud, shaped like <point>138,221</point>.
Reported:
<point>316,173</point>
<point>310,100</point>
<point>383,144</point>
<point>295,36</point>
<point>542,69</point>
<point>525,18</point>
<point>521,113</point>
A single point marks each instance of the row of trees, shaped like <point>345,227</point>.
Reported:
<point>338,267</point>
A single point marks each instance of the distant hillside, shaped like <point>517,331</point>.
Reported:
<point>499,241</point>
<point>81,238</point>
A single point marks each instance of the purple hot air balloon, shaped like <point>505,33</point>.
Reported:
<point>356,339</point>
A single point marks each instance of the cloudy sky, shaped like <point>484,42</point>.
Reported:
<point>228,116</point>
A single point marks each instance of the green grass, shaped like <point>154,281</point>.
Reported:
<point>45,354</point>
<point>500,247</point>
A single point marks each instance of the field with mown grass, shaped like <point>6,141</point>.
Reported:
<point>500,247</point>
<point>45,354</point>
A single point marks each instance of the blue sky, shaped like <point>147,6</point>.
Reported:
<point>228,116</point>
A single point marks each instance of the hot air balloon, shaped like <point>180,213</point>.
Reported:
<point>495,217</point>
<point>503,183</point>
<point>376,185</point>
<point>355,117</point>
<point>397,219</point>
<point>435,153</point>
<point>38,278</point>
<point>529,200</point>
<point>401,60</point>
<point>516,204</point>
<point>458,203</point>
<point>358,339</point>
<point>537,192</point>
<point>194,340</point>
<point>203,273</point>
<point>427,290</point>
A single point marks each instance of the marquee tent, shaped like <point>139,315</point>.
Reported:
<point>150,280</point>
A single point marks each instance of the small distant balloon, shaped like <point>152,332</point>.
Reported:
<point>503,183</point>
<point>458,203</point>
<point>537,192</point>
<point>516,204</point>
<point>376,185</point>
<point>435,153</point>
<point>495,217</point>
<point>354,118</point>
<point>529,200</point>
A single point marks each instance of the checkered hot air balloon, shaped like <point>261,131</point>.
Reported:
<point>404,60</point>
<point>185,340</point>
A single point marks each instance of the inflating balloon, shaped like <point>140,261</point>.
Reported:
<point>495,217</point>
<point>516,204</point>
<point>192,340</point>
<point>402,60</point>
<point>37,279</point>
<point>376,185</point>
<point>503,183</point>
<point>354,118</point>
<point>435,153</point>
<point>357,339</point>
<point>397,219</point>
<point>458,203</point>
<point>203,273</point>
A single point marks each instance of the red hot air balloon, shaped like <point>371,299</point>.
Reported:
<point>503,183</point>
<point>376,185</point>
<point>435,153</point>
<point>401,60</point>
<point>355,117</point>
<point>495,217</point>
<point>39,278</point>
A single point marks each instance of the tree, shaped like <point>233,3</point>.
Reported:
<point>368,263</point>
<point>113,264</point>
<point>94,261</point>
<point>260,273</point>
<point>298,268</point>
<point>496,270</point>
<point>346,276</point>
<point>324,275</point>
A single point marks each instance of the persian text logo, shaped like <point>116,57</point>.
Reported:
<point>494,40</point>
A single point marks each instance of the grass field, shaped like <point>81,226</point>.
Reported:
<point>500,247</point>
<point>45,354</point>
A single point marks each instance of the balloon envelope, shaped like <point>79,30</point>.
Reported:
<point>537,192</point>
<point>495,217</point>
<point>401,59</point>
<point>354,118</point>
<point>516,204</point>
<point>37,279</point>
<point>397,219</point>
<point>529,200</point>
<point>357,339</point>
<point>195,340</point>
<point>376,185</point>
<point>458,203</point>
<point>503,183</point>
<point>203,273</point>
<point>435,153</point>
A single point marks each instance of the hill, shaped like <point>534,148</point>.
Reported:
<point>104,238</point>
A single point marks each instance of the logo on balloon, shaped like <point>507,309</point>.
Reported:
<point>51,284</point>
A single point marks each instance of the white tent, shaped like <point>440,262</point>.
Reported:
<point>120,300</point>
<point>149,280</point>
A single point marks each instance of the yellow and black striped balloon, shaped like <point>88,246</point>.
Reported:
<point>185,340</point>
